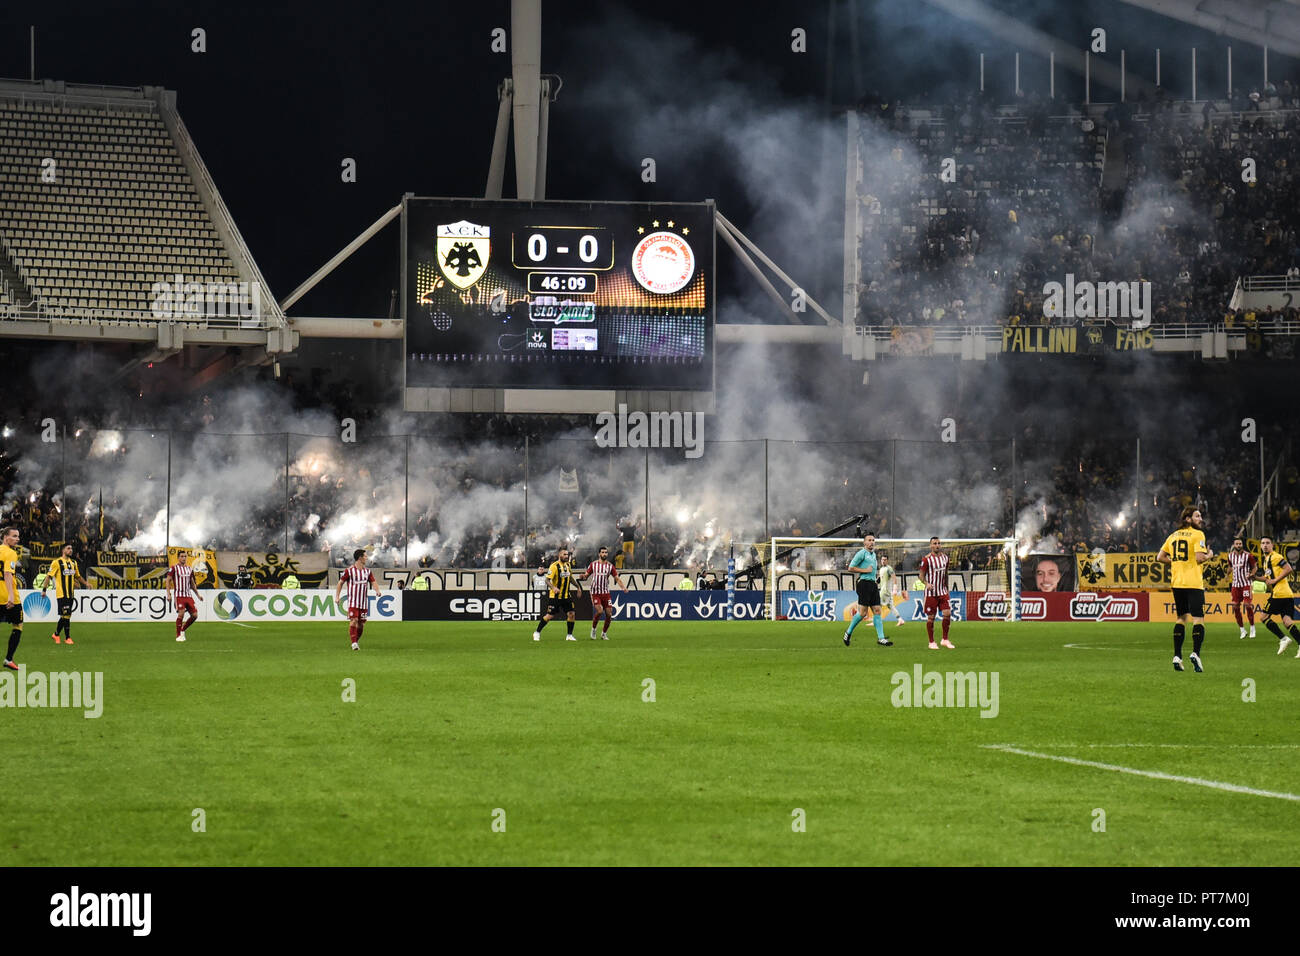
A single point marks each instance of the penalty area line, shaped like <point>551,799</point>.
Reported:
<point>1152,774</point>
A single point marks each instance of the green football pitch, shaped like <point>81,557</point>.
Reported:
<point>672,743</point>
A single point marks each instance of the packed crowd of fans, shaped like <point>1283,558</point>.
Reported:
<point>1055,496</point>
<point>1030,198</point>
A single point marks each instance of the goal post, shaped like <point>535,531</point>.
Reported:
<point>821,564</point>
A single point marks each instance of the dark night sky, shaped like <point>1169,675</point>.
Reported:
<point>285,91</point>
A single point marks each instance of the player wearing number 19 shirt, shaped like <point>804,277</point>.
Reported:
<point>180,580</point>
<point>358,579</point>
<point>934,571</point>
<point>599,573</point>
<point>1185,551</point>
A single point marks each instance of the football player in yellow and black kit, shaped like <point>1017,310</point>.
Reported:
<point>1185,551</point>
<point>1273,571</point>
<point>64,575</point>
<point>11,605</point>
<point>561,584</point>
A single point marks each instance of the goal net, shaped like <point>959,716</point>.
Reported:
<point>801,575</point>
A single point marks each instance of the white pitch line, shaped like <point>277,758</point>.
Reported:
<point>1108,647</point>
<point>1153,774</point>
<point>1215,746</point>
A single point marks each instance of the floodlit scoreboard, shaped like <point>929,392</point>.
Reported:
<point>547,306</point>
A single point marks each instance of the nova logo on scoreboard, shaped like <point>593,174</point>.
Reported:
<point>463,251</point>
<point>1103,607</point>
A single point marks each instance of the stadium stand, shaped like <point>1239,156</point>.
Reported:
<point>105,195</point>
<point>1150,190</point>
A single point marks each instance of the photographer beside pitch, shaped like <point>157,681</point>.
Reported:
<point>1185,551</point>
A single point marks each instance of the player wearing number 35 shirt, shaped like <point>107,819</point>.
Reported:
<point>1185,551</point>
<point>358,579</point>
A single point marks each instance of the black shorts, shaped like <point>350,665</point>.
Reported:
<point>13,615</point>
<point>1189,601</point>
<point>1281,607</point>
<point>65,606</point>
<point>555,606</point>
<point>868,593</point>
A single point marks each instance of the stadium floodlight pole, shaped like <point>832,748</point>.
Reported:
<point>1137,490</point>
<point>63,508</point>
<point>762,257</point>
<point>1123,69</point>
<point>526,68</point>
<point>340,257</point>
<point>168,532</point>
<point>286,492</point>
<point>1051,74</point>
<point>1266,66</point>
<point>406,505</point>
<point>1157,66</point>
<point>1193,74</point>
<point>526,480</point>
<point>1229,72</point>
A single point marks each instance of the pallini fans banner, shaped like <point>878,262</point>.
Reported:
<point>242,606</point>
<point>1140,569</point>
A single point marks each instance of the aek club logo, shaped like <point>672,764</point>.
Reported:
<point>228,605</point>
<point>463,251</point>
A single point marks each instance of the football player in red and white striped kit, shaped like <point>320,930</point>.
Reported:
<point>1243,575</point>
<point>934,571</point>
<point>180,579</point>
<point>600,571</point>
<point>358,579</point>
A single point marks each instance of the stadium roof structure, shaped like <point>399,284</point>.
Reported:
<point>1268,23</point>
<point>112,230</point>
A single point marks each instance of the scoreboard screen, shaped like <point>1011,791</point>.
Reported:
<point>558,295</point>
